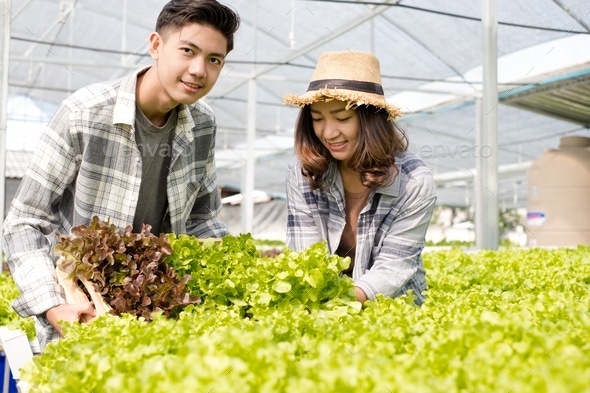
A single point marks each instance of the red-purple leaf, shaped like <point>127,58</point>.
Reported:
<point>127,268</point>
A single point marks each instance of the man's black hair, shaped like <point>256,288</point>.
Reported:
<point>179,13</point>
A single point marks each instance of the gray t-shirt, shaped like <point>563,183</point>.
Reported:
<point>155,146</point>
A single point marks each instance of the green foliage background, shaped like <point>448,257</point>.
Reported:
<point>9,317</point>
<point>503,321</point>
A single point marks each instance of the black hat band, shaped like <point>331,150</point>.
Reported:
<point>367,87</point>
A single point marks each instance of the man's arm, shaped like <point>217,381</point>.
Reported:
<point>34,215</point>
<point>203,221</point>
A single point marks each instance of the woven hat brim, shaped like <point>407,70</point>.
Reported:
<point>351,97</point>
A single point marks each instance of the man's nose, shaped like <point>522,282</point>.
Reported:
<point>197,67</point>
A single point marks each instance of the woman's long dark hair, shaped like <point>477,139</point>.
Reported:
<point>373,156</point>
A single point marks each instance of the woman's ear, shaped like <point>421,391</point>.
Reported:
<point>156,43</point>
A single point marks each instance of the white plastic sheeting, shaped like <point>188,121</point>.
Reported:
<point>430,63</point>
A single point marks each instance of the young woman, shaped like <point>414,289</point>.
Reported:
<point>353,183</point>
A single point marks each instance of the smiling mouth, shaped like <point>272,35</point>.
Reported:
<point>337,144</point>
<point>192,85</point>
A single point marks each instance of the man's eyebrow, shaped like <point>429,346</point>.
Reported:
<point>191,44</point>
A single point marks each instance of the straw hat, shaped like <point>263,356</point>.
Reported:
<point>350,76</point>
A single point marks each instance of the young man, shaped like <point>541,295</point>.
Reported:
<point>138,150</point>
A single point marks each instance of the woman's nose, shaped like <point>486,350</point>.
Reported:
<point>330,129</point>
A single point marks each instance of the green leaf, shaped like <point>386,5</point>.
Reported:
<point>238,302</point>
<point>309,279</point>
<point>282,287</point>
<point>264,298</point>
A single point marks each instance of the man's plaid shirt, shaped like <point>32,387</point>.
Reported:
<point>87,164</point>
<point>390,231</point>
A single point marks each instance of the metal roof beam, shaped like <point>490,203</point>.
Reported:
<point>22,7</point>
<point>67,62</point>
<point>273,36</point>
<point>132,60</point>
<point>423,45</point>
<point>342,29</point>
<point>244,22</point>
<point>58,21</point>
<point>114,15</point>
<point>463,139</point>
<point>574,16</point>
<point>468,175</point>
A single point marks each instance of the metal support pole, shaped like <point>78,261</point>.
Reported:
<point>487,147</point>
<point>480,179</point>
<point>292,31</point>
<point>247,207</point>
<point>372,35</point>
<point>5,16</point>
<point>70,51</point>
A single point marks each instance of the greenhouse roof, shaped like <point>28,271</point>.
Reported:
<point>430,54</point>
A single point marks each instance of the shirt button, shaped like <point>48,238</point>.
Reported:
<point>137,159</point>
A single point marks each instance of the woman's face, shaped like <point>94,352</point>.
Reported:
<point>336,127</point>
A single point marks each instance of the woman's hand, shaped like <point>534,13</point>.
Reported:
<point>69,313</point>
<point>360,295</point>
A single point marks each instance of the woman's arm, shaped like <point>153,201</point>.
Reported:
<point>302,228</point>
<point>399,259</point>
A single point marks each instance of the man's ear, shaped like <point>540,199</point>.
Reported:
<point>156,43</point>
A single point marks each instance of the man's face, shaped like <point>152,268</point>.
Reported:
<point>188,62</point>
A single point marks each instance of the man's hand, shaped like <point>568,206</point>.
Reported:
<point>360,295</point>
<point>69,313</point>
